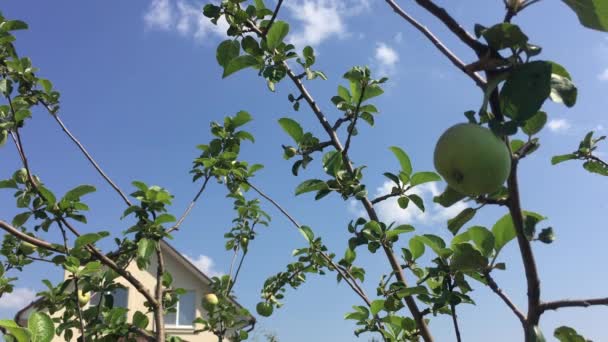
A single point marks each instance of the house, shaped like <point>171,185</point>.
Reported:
<point>185,275</point>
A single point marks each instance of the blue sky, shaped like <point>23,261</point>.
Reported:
<point>140,85</point>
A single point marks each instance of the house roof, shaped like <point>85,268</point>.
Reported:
<point>19,316</point>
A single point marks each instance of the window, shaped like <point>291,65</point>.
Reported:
<point>119,298</point>
<point>185,312</point>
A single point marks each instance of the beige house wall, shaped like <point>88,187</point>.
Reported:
<point>184,276</point>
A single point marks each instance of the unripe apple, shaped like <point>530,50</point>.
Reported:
<point>472,160</point>
<point>27,248</point>
<point>244,240</point>
<point>83,298</point>
<point>210,300</point>
<point>264,309</point>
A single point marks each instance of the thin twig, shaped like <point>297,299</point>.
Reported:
<point>34,241</point>
<point>385,197</point>
<point>570,303</point>
<point>274,17</point>
<point>438,43</point>
<point>190,206</point>
<point>351,127</point>
<point>87,155</point>
<point>159,315</point>
<point>492,284</point>
<point>532,279</point>
<point>449,21</point>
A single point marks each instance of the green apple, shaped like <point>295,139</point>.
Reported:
<point>27,248</point>
<point>210,300</point>
<point>244,241</point>
<point>264,309</point>
<point>83,298</point>
<point>472,160</point>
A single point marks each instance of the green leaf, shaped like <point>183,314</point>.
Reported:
<point>563,158</point>
<point>8,184</point>
<point>404,160</point>
<point>466,258</point>
<point>13,25</point>
<point>411,291</point>
<point>460,220</point>
<point>563,90</point>
<point>403,202</point>
<point>20,219</point>
<point>372,91</point>
<point>344,94</point>
<point>435,243</point>
<point>164,218</point>
<point>504,35</point>
<point>41,327</point>
<point>227,51</point>
<point>241,118</point>
<point>276,34</point>
<point>89,238</point>
<point>596,167</point>
<point>22,114</point>
<point>292,128</point>
<point>310,185</point>
<point>535,123</point>
<point>567,334</point>
<point>145,248</point>
<point>416,248</point>
<point>482,238</point>
<point>376,306</point>
<point>424,177</point>
<point>417,201</point>
<point>525,90</point>
<point>503,231</point>
<point>239,63</point>
<point>404,228</point>
<point>47,195</point>
<point>21,334</point>
<point>448,198</point>
<point>350,256</point>
<point>307,233</point>
<point>591,13</point>
<point>140,320</point>
<point>79,191</point>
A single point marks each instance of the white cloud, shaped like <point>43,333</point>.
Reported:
<point>18,299</point>
<point>389,210</point>
<point>205,264</point>
<point>387,58</point>
<point>559,125</point>
<point>386,55</point>
<point>322,19</point>
<point>159,15</point>
<point>184,17</point>
<point>603,76</point>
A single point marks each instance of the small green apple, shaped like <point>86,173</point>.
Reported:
<point>244,241</point>
<point>27,248</point>
<point>210,300</point>
<point>264,309</point>
<point>472,160</point>
<point>83,298</point>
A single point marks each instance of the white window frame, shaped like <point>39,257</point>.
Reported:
<point>180,326</point>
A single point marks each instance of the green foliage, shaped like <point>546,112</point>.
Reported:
<point>591,13</point>
<point>585,151</point>
<point>567,334</point>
